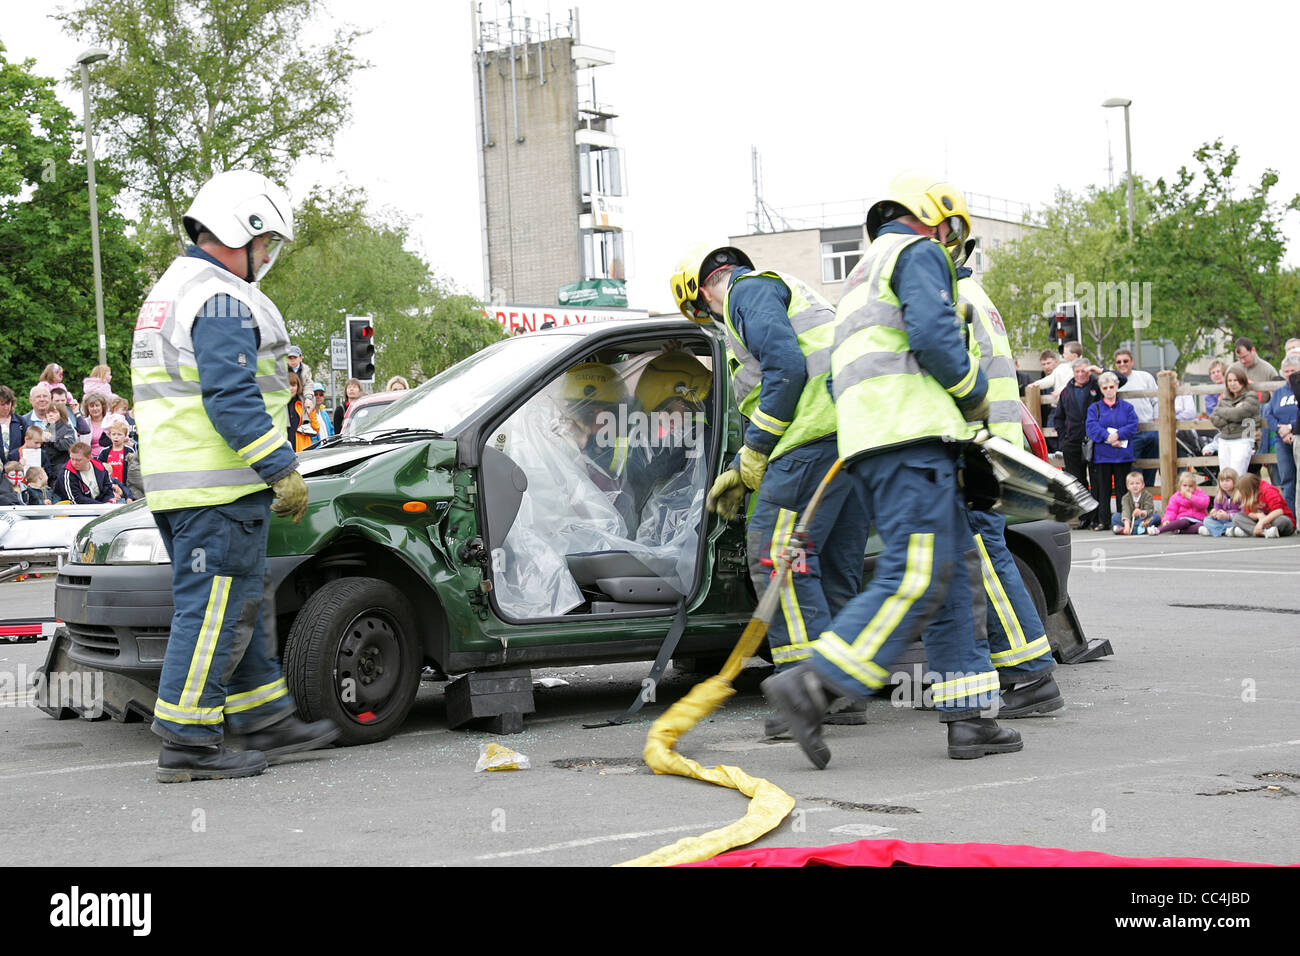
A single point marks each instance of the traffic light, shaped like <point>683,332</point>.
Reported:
<point>361,349</point>
<point>1065,324</point>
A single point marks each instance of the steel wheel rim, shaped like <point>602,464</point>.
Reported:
<point>368,664</point>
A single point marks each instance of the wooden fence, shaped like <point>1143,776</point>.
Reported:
<point>1166,424</point>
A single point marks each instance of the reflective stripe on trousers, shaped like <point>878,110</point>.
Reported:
<point>220,666</point>
<point>1018,642</point>
<point>838,534</point>
<point>922,584</point>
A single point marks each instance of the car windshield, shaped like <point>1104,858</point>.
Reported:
<point>451,396</point>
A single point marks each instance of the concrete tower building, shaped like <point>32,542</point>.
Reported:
<point>550,170</point>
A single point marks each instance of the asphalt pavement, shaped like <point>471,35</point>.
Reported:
<point>1186,742</point>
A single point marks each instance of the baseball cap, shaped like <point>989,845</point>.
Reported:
<point>295,352</point>
<point>317,387</point>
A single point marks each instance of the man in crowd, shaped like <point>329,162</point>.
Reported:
<point>1257,370</point>
<point>40,399</point>
<point>1068,419</point>
<point>84,481</point>
<point>211,392</point>
<point>1280,414</point>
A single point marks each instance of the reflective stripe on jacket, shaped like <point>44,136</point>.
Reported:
<point>813,320</point>
<point>883,396</point>
<point>184,461</point>
<point>990,346</point>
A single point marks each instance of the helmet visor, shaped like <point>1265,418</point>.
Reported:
<point>274,242</point>
<point>958,232</point>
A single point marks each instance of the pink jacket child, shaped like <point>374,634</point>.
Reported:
<point>1186,508</point>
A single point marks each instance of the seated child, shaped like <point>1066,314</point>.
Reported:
<point>1219,521</point>
<point>1186,508</point>
<point>1137,510</point>
<point>1264,513</point>
<point>38,488</point>
<point>114,456</point>
<point>12,485</point>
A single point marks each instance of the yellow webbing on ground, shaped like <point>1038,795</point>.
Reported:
<point>768,804</point>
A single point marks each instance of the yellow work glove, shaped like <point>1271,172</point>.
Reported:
<point>290,497</point>
<point>726,494</point>
<point>752,465</point>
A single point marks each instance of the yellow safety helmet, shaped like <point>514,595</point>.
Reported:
<point>928,198</point>
<point>593,383</point>
<point>673,375</point>
<point>699,262</point>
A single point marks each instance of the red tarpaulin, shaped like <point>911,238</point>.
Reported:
<point>889,852</point>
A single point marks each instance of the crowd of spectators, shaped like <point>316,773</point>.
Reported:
<point>63,448</point>
<point>1099,439</point>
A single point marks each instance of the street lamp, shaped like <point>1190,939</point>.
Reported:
<point>1128,152</point>
<point>93,55</point>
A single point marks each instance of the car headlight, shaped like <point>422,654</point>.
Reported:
<point>137,546</point>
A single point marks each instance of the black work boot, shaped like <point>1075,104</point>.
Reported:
<point>178,763</point>
<point>1037,697</point>
<point>289,735</point>
<point>845,711</point>
<point>798,698</point>
<point>968,739</point>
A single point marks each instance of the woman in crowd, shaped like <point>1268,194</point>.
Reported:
<point>1112,425</point>
<point>298,415</point>
<point>1236,415</point>
<point>397,384</point>
<point>11,425</point>
<point>351,392</point>
<point>95,407</point>
<point>1218,368</point>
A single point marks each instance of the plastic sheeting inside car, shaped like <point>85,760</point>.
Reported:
<point>617,480</point>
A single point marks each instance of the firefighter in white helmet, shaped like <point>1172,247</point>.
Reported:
<point>211,389</point>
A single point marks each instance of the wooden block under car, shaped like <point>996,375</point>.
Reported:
<point>499,697</point>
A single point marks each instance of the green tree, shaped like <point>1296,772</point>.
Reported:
<point>1215,256</point>
<point>196,87</point>
<point>1078,251</point>
<point>47,293</point>
<point>348,261</point>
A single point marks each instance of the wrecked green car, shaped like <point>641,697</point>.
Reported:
<point>539,504</point>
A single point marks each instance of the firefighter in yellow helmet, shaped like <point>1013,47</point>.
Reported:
<point>1018,645</point>
<point>778,333</point>
<point>905,390</point>
<point>595,401</point>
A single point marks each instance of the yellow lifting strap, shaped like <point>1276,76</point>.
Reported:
<point>769,804</point>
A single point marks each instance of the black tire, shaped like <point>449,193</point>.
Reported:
<point>353,656</point>
<point>1033,586</point>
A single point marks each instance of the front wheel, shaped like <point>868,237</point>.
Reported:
<point>353,656</point>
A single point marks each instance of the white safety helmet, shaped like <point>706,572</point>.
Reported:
<point>237,207</point>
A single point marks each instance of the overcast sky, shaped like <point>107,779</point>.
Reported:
<point>837,96</point>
